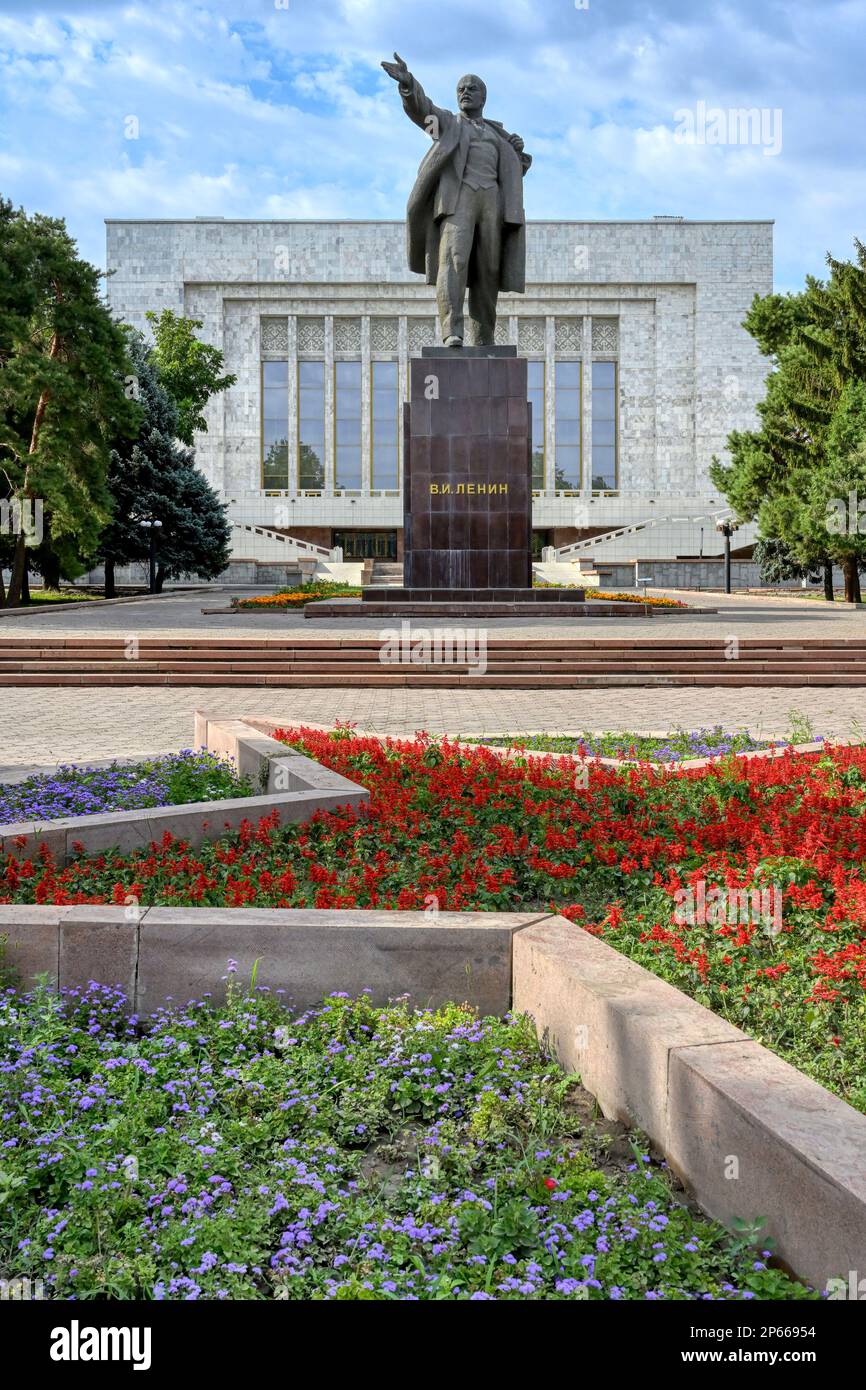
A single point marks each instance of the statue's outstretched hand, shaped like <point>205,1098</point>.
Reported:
<point>398,70</point>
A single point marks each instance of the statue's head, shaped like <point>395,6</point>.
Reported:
<point>471,94</point>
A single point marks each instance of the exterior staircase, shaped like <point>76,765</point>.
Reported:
<point>387,574</point>
<point>542,663</point>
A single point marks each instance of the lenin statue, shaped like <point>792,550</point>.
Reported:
<point>464,220</point>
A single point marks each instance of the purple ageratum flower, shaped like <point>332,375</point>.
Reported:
<point>83,791</point>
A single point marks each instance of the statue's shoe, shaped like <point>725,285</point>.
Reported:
<point>453,342</point>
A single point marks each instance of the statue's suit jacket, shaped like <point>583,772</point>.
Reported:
<point>437,189</point>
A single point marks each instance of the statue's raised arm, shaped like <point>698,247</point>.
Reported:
<point>416,103</point>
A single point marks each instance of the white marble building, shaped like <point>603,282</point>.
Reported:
<point>639,369</point>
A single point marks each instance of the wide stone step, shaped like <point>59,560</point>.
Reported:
<point>312,669</point>
<point>514,650</point>
<point>400,675</point>
<point>672,643</point>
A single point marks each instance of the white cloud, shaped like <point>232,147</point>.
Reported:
<point>253,111</point>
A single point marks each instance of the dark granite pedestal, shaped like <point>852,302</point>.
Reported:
<point>467,498</point>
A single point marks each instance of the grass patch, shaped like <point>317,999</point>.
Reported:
<point>669,748</point>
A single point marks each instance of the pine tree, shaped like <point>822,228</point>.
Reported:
<point>62,395</point>
<point>794,472</point>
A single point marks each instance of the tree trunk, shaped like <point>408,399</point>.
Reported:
<point>25,581</point>
<point>2,587</point>
<point>19,566</point>
<point>18,578</point>
<point>828,581</point>
<point>110,586</point>
<point>852,579</point>
<point>160,578</point>
<point>50,566</point>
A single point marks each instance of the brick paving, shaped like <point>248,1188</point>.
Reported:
<point>40,727</point>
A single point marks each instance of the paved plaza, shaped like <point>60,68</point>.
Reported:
<point>40,727</point>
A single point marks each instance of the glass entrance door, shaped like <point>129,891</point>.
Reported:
<point>367,545</point>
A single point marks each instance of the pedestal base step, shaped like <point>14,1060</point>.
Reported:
<point>374,593</point>
<point>436,611</point>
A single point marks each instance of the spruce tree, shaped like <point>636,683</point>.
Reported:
<point>154,478</point>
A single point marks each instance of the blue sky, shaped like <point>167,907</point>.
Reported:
<point>278,108</point>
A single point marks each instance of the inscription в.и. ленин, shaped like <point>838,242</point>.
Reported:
<point>469,489</point>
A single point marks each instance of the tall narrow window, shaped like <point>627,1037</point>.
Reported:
<point>386,424</point>
<point>275,425</point>
<point>567,426</point>
<point>311,426</point>
<point>535,392</point>
<point>604,425</point>
<point>347,421</point>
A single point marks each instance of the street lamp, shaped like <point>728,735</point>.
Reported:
<point>727,529</point>
<point>151,527</point>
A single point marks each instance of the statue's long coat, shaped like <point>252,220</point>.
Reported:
<point>437,188</point>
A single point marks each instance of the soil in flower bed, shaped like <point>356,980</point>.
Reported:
<point>350,1152</point>
<point>172,780</point>
<point>743,883</point>
<point>669,748</point>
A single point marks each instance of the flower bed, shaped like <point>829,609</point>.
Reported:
<point>632,856</point>
<point>171,780</point>
<point>296,598</point>
<point>669,748</point>
<point>320,589</point>
<point>352,1152</point>
<point>645,600</point>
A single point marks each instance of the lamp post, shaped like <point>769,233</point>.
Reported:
<point>151,527</point>
<point>727,529</point>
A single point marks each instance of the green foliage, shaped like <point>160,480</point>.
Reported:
<point>189,370</point>
<point>795,474</point>
<point>62,398</point>
<point>154,477</point>
<point>776,562</point>
<point>248,1152</point>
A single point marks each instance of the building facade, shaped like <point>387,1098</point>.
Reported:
<point>639,368</point>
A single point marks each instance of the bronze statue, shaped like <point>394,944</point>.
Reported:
<point>464,220</point>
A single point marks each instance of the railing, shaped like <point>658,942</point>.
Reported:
<point>566,552</point>
<point>318,552</point>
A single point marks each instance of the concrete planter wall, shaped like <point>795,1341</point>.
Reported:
<point>293,786</point>
<point>160,953</point>
<point>751,1137</point>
